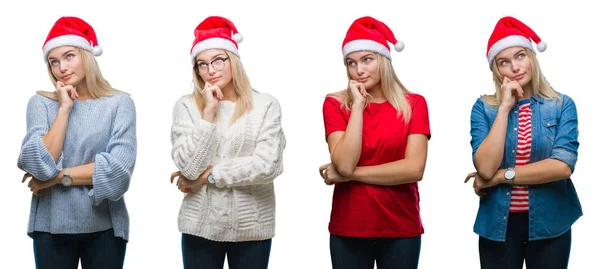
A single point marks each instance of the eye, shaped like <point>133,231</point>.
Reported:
<point>202,65</point>
<point>368,60</point>
<point>219,60</point>
<point>521,55</point>
<point>350,63</point>
<point>503,62</point>
<point>53,62</point>
<point>70,56</point>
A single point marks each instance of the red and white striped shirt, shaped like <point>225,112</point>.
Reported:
<point>519,201</point>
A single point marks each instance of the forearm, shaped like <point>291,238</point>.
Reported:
<point>54,139</point>
<point>346,152</point>
<point>488,156</point>
<point>544,171</point>
<point>388,174</point>
<point>82,175</point>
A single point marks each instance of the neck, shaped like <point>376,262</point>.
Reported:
<point>83,92</point>
<point>229,93</point>
<point>527,92</point>
<point>377,94</point>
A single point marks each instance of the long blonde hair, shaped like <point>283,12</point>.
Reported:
<point>95,82</point>
<point>393,90</point>
<point>241,87</point>
<point>539,83</point>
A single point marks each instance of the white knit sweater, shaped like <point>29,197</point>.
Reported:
<point>246,157</point>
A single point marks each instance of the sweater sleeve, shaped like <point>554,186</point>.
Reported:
<point>266,162</point>
<point>34,157</point>
<point>194,140</point>
<point>114,167</point>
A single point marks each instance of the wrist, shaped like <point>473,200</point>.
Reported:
<point>358,106</point>
<point>65,108</point>
<point>503,110</point>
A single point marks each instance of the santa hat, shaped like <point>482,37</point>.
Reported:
<point>71,31</point>
<point>367,33</point>
<point>215,33</point>
<point>510,32</point>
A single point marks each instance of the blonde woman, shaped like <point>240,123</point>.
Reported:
<point>228,146</point>
<point>80,152</point>
<point>377,132</point>
<point>524,141</point>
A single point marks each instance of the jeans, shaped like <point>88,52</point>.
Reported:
<point>362,253</point>
<point>201,253</point>
<point>99,250</point>
<point>550,253</point>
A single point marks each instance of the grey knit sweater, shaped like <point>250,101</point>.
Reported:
<point>102,131</point>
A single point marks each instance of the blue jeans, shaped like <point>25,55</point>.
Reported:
<point>362,253</point>
<point>200,253</point>
<point>550,253</point>
<point>100,250</point>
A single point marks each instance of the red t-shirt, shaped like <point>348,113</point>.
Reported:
<point>365,210</point>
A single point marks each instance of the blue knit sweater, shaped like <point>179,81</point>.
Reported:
<point>102,131</point>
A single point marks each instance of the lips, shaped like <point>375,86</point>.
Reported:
<point>212,80</point>
<point>66,77</point>
<point>362,80</point>
<point>518,77</point>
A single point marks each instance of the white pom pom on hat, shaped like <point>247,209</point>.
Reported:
<point>97,51</point>
<point>399,46</point>
<point>238,37</point>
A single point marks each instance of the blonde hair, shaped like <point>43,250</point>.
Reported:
<point>393,90</point>
<point>539,83</point>
<point>95,82</point>
<point>241,87</point>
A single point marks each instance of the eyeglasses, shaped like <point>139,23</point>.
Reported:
<point>217,64</point>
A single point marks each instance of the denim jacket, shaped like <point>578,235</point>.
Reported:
<point>554,206</point>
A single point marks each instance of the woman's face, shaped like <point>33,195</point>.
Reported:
<point>66,65</point>
<point>363,68</point>
<point>214,67</point>
<point>514,64</point>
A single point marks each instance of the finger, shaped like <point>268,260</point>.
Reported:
<point>25,176</point>
<point>469,176</point>
<point>219,93</point>
<point>174,175</point>
<point>506,80</point>
<point>59,84</point>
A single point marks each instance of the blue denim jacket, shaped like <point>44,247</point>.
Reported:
<point>554,206</point>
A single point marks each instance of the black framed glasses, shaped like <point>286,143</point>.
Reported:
<point>217,64</point>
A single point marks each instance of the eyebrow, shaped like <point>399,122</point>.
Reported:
<point>517,53</point>
<point>220,55</point>
<point>67,52</point>
<point>364,56</point>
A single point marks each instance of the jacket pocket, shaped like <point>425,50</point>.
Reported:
<point>550,126</point>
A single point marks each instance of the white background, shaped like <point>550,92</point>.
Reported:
<point>293,51</point>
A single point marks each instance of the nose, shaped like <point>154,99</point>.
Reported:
<point>63,66</point>
<point>515,67</point>
<point>211,70</point>
<point>360,69</point>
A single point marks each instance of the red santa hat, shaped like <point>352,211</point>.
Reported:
<point>510,32</point>
<point>215,33</point>
<point>367,33</point>
<point>71,31</point>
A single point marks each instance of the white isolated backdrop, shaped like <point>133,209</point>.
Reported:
<point>292,50</point>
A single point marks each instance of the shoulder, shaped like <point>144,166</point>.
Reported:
<point>121,99</point>
<point>415,98</point>
<point>262,97</point>
<point>265,100</point>
<point>184,102</point>
<point>40,99</point>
